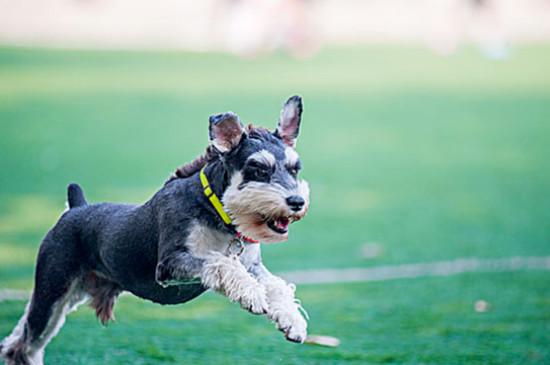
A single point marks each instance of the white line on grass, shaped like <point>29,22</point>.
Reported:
<point>13,294</point>
<point>389,272</point>
<point>408,271</point>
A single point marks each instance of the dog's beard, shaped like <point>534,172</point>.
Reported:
<point>259,210</point>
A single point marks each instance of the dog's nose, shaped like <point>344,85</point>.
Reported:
<point>295,202</point>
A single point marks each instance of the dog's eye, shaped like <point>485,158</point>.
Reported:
<point>258,171</point>
<point>261,175</point>
<point>294,170</point>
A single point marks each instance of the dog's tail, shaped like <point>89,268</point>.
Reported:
<point>75,196</point>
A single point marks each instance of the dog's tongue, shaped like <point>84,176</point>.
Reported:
<point>282,223</point>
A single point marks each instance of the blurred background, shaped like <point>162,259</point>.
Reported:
<point>252,27</point>
<point>425,140</point>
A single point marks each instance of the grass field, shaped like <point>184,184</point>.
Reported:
<point>431,158</point>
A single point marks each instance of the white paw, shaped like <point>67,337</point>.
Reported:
<point>255,301</point>
<point>294,327</point>
<point>296,334</point>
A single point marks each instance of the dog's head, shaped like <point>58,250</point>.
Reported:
<point>265,193</point>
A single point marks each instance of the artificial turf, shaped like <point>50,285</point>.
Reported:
<point>429,157</point>
<point>417,321</point>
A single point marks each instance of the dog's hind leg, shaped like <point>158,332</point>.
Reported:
<point>57,291</point>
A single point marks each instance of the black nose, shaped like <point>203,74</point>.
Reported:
<point>295,202</point>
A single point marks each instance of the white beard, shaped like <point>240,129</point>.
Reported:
<point>250,206</point>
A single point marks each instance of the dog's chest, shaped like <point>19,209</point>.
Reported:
<point>203,242</point>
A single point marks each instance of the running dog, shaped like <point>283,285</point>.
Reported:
<point>200,231</point>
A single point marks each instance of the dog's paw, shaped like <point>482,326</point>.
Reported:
<point>296,334</point>
<point>294,326</point>
<point>255,302</point>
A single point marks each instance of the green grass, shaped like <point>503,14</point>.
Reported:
<point>428,321</point>
<point>432,158</point>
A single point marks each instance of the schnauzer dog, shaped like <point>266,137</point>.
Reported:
<point>199,231</point>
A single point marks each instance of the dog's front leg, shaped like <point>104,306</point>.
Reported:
<point>223,274</point>
<point>229,277</point>
<point>178,268</point>
<point>284,309</point>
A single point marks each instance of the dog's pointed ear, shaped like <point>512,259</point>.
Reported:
<point>289,121</point>
<point>225,130</point>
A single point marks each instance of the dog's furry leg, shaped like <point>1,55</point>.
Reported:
<point>57,292</point>
<point>284,309</point>
<point>25,346</point>
<point>229,277</point>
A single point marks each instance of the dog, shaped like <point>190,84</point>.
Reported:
<point>200,231</point>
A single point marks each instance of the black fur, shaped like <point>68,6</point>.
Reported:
<point>75,196</point>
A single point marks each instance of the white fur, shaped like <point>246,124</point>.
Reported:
<point>16,334</point>
<point>291,156</point>
<point>283,307</point>
<point>263,156</point>
<point>302,190</point>
<point>255,197</point>
<point>203,241</point>
<point>228,276</point>
<point>250,205</point>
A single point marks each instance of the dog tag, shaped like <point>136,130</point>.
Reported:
<point>235,248</point>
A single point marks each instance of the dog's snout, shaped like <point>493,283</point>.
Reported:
<point>295,202</point>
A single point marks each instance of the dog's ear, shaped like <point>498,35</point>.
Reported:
<point>289,121</point>
<point>225,130</point>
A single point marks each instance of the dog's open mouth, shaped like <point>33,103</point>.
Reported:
<point>267,228</point>
<point>279,225</point>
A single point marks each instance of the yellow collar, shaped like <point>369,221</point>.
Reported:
<point>214,200</point>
